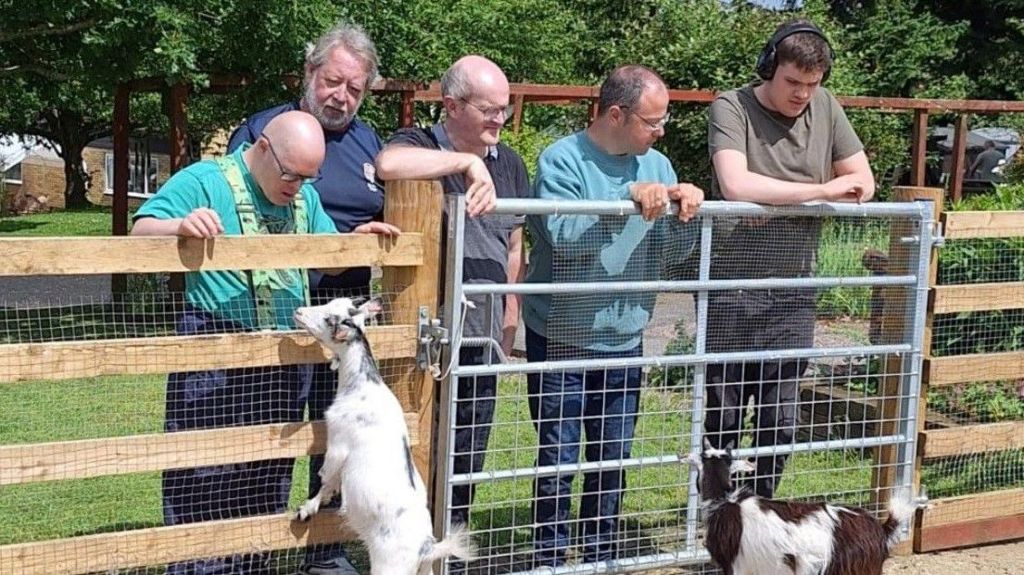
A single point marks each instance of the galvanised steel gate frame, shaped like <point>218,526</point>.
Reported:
<point>909,349</point>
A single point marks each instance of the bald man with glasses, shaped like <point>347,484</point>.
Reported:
<point>260,188</point>
<point>466,154</point>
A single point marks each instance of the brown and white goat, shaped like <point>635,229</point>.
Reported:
<point>750,535</point>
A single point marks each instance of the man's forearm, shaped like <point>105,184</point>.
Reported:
<point>156,227</point>
<point>398,162</point>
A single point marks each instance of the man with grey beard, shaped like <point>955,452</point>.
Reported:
<point>339,71</point>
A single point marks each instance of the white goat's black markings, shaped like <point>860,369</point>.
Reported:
<point>408,462</point>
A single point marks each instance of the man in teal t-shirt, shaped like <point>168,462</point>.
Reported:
<point>611,160</point>
<point>261,188</point>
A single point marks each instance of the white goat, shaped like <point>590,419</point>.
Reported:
<point>368,457</point>
<point>748,534</point>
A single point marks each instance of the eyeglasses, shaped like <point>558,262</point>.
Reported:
<point>652,125</point>
<point>287,176</point>
<point>492,113</point>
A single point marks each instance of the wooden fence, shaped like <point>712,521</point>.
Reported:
<point>994,515</point>
<point>410,265</point>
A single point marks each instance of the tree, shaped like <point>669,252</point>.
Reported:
<point>56,76</point>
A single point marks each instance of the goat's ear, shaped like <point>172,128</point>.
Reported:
<point>371,308</point>
<point>707,444</point>
<point>730,445</point>
<point>741,466</point>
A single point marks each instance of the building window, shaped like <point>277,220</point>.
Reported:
<point>13,174</point>
<point>142,175</point>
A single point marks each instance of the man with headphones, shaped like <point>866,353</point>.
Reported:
<point>781,140</point>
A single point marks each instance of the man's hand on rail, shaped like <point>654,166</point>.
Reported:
<point>481,194</point>
<point>374,227</point>
<point>652,197</point>
<point>689,196</point>
<point>202,223</point>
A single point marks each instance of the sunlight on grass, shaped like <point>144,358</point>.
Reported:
<point>90,222</point>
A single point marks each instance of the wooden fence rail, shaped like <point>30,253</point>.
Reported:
<point>410,262</point>
<point>989,516</point>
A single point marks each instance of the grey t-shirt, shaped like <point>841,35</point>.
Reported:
<point>800,149</point>
<point>485,246</point>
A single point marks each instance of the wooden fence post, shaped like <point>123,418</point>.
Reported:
<point>415,206</point>
<point>901,262</point>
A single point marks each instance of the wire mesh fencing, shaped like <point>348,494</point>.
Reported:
<point>974,453</point>
<point>750,327</point>
<point>124,416</point>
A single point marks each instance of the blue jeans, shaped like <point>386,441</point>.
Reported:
<point>603,403</point>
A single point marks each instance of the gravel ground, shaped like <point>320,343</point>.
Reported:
<point>1006,559</point>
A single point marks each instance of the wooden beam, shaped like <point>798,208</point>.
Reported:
<point>969,439</point>
<point>975,507</point>
<point>958,165</point>
<point>416,206</point>
<point>902,259</point>
<point>85,255</point>
<point>919,145</point>
<point>978,297</point>
<point>178,94</point>
<point>950,370</point>
<point>517,114</point>
<point>30,463</point>
<point>108,552</point>
<point>75,359</point>
<point>966,225</point>
<point>969,534</point>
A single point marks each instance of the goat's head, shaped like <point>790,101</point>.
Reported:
<point>338,322</point>
<point>715,468</point>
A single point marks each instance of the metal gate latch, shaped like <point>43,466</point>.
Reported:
<point>431,337</point>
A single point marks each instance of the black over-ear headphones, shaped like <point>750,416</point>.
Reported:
<point>766,60</point>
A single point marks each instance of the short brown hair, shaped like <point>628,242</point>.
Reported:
<point>810,52</point>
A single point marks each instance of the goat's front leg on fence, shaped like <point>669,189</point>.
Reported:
<point>330,482</point>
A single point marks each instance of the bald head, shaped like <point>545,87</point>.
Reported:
<point>288,152</point>
<point>472,74</point>
<point>298,141</point>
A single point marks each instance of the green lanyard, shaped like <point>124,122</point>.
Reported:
<point>263,282</point>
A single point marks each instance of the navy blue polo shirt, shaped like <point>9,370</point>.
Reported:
<point>349,190</point>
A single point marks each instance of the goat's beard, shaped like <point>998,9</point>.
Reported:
<point>330,122</point>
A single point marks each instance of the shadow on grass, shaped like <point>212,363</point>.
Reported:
<point>12,225</point>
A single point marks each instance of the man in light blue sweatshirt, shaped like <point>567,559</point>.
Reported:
<point>611,160</point>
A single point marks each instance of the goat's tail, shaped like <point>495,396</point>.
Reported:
<point>457,544</point>
<point>901,509</point>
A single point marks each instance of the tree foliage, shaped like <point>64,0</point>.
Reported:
<point>60,60</point>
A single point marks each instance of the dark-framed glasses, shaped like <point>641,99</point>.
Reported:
<point>493,112</point>
<point>287,176</point>
<point>653,125</point>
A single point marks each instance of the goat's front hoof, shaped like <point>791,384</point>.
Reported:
<point>307,510</point>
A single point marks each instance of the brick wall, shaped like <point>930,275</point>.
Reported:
<point>43,178</point>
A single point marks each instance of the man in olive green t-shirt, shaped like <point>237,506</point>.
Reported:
<point>783,140</point>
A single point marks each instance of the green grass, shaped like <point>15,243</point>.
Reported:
<point>655,502</point>
<point>88,222</point>
<point>656,498</point>
<point>843,244</point>
<point>47,411</point>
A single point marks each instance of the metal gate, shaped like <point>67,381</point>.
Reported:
<point>852,440</point>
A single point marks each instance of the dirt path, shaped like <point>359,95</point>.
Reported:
<point>1007,559</point>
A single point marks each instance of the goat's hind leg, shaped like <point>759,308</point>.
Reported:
<point>330,483</point>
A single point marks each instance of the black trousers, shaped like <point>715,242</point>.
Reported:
<point>756,320</point>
